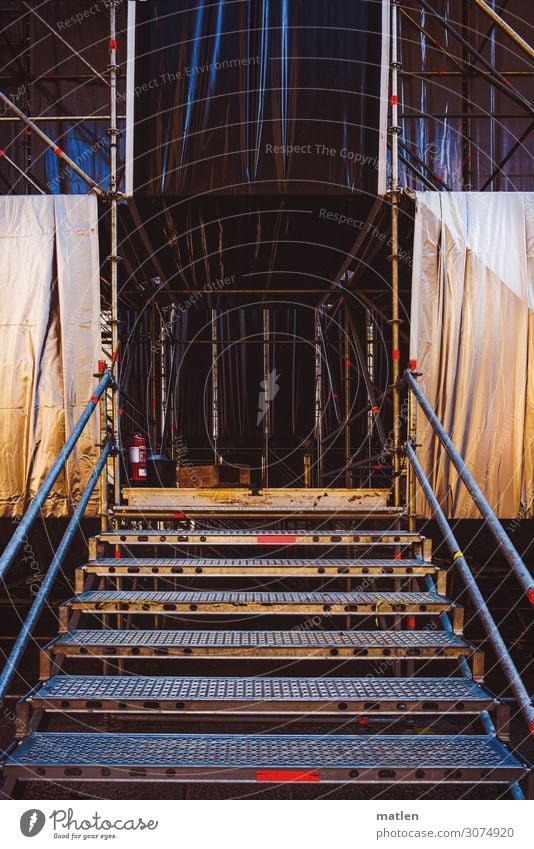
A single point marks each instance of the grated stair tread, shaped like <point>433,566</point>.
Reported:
<point>261,566</point>
<point>206,640</point>
<point>257,689</point>
<point>260,597</point>
<point>251,757</point>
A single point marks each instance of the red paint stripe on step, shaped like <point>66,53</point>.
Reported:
<point>273,540</point>
<point>279,775</point>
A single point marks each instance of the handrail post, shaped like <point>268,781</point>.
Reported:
<point>511,673</point>
<point>103,499</point>
<point>29,517</point>
<point>411,481</point>
<point>41,597</point>
<point>505,544</point>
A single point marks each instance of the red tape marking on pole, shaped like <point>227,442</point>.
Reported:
<point>279,775</point>
<point>395,354</point>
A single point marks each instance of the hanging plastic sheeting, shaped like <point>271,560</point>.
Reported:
<point>49,315</point>
<point>257,96</point>
<point>46,78</point>
<point>458,127</point>
<point>241,371</point>
<point>472,335</point>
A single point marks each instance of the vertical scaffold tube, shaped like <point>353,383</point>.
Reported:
<point>114,135</point>
<point>394,199</point>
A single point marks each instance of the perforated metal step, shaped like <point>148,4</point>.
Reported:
<point>233,536</point>
<point>259,602</point>
<point>157,694</point>
<point>254,510</point>
<point>258,644</point>
<point>174,568</point>
<point>260,567</point>
<point>265,758</point>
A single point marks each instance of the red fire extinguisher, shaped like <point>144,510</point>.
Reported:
<point>137,457</point>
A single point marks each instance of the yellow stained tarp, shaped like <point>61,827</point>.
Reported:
<point>50,344</point>
<point>472,335</point>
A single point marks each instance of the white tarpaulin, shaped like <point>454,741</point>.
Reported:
<point>472,335</point>
<point>50,325</point>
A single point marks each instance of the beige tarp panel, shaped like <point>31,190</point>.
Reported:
<point>50,344</point>
<point>472,335</point>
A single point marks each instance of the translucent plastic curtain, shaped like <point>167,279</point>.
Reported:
<point>50,330</point>
<point>472,335</point>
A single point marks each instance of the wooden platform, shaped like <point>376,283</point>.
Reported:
<point>221,501</point>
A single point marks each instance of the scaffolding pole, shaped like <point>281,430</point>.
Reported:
<point>510,31</point>
<point>346,367</point>
<point>492,74</point>
<point>4,155</point>
<point>394,200</point>
<point>215,386</point>
<point>319,397</point>
<point>466,100</point>
<point>363,365</point>
<point>52,145</point>
<point>411,478</point>
<point>130,99</point>
<point>113,197</point>
<point>268,394</point>
<point>66,43</point>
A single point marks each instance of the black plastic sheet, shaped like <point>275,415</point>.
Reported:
<point>241,96</point>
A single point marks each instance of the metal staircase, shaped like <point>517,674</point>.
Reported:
<point>395,619</point>
<point>340,621</point>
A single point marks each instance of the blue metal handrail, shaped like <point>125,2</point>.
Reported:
<point>32,512</point>
<point>41,597</point>
<point>492,631</point>
<point>500,536</point>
